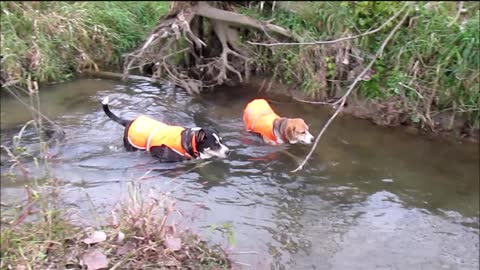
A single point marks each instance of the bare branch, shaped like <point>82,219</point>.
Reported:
<point>205,10</point>
<point>313,102</point>
<point>352,86</point>
<point>331,41</point>
<point>109,75</point>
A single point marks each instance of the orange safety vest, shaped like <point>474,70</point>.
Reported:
<point>258,117</point>
<point>145,132</point>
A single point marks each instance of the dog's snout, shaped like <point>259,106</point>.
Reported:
<point>308,139</point>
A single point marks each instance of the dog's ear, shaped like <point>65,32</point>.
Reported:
<point>290,131</point>
<point>200,135</point>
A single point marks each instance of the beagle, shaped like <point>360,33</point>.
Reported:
<point>260,118</point>
<point>168,143</point>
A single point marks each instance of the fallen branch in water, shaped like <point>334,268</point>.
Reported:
<point>343,99</point>
<point>312,102</point>
<point>331,41</point>
<point>110,75</point>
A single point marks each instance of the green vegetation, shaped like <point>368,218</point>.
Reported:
<point>428,73</point>
<point>431,66</point>
<point>52,40</point>
<point>137,237</point>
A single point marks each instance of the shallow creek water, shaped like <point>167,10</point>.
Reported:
<point>370,197</point>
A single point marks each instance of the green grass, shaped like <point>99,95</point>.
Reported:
<point>53,241</point>
<point>70,36</point>
<point>39,233</point>
<point>436,59</point>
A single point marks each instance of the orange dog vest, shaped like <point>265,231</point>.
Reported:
<point>258,117</point>
<point>145,133</point>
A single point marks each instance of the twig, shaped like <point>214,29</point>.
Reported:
<point>411,88</point>
<point>273,78</point>
<point>28,207</point>
<point>177,52</point>
<point>113,75</point>
<point>140,52</point>
<point>241,263</point>
<point>331,41</point>
<point>460,10</point>
<point>244,252</point>
<point>16,162</point>
<point>312,102</point>
<point>352,86</point>
<point>10,83</point>
<point>261,86</point>
<point>32,108</point>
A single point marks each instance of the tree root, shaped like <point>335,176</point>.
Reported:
<point>222,31</point>
<point>184,27</point>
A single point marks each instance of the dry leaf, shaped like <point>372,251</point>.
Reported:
<point>96,237</point>
<point>95,259</point>
<point>173,243</point>
<point>125,249</point>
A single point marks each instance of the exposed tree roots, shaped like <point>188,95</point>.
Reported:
<point>197,46</point>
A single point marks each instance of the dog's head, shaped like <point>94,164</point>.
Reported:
<point>297,131</point>
<point>209,143</point>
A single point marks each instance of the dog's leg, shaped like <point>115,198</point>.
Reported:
<point>165,154</point>
<point>267,141</point>
<point>126,143</point>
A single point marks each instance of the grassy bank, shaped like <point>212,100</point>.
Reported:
<point>50,41</point>
<point>429,73</point>
<point>137,236</point>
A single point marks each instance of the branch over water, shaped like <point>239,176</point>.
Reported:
<point>343,99</point>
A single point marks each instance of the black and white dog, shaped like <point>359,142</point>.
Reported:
<point>166,142</point>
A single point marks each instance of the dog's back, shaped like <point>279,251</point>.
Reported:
<point>145,132</point>
<point>258,117</point>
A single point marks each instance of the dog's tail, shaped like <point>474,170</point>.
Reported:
<point>112,116</point>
